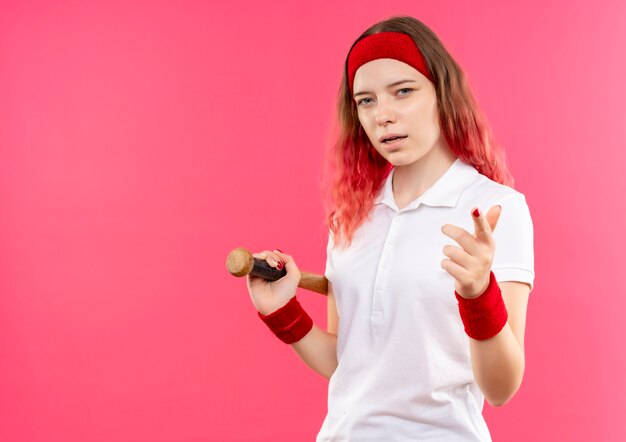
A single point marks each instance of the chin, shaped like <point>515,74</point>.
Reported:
<point>408,158</point>
<point>397,159</point>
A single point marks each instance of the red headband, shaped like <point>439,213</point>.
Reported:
<point>386,45</point>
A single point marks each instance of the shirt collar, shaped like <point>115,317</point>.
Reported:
<point>444,192</point>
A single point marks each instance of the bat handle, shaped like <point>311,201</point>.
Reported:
<point>262,269</point>
<point>241,262</point>
<point>308,281</point>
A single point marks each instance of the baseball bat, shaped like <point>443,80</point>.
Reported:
<point>240,262</point>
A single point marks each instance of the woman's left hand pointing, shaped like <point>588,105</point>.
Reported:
<point>470,264</point>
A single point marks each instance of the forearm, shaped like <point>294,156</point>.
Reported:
<point>498,366</point>
<point>318,349</point>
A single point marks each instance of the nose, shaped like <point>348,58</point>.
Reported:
<point>384,112</point>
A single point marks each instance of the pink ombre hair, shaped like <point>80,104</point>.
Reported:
<point>354,171</point>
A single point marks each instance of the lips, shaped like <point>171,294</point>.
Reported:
<point>391,138</point>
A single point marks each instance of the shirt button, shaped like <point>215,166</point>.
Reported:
<point>390,241</point>
<point>385,264</point>
<point>379,286</point>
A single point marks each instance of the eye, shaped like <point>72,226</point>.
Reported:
<point>407,89</point>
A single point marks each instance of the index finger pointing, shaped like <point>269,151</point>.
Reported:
<point>482,228</point>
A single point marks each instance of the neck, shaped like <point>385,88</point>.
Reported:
<point>410,181</point>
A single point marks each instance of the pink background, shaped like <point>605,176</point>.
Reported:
<point>141,141</point>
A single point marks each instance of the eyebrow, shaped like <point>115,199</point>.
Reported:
<point>388,86</point>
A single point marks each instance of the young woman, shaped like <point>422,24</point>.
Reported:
<point>427,298</point>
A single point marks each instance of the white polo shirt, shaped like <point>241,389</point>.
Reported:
<point>404,370</point>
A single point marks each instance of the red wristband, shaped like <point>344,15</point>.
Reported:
<point>290,323</point>
<point>484,316</point>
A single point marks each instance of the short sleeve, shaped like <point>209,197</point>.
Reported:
<point>329,271</point>
<point>514,256</point>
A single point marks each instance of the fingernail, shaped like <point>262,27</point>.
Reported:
<point>476,213</point>
<point>278,250</point>
<point>280,265</point>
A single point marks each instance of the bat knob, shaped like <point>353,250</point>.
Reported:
<point>240,262</point>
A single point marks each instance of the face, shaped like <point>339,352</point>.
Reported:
<point>407,108</point>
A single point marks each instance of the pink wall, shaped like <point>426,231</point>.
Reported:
<point>141,141</point>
